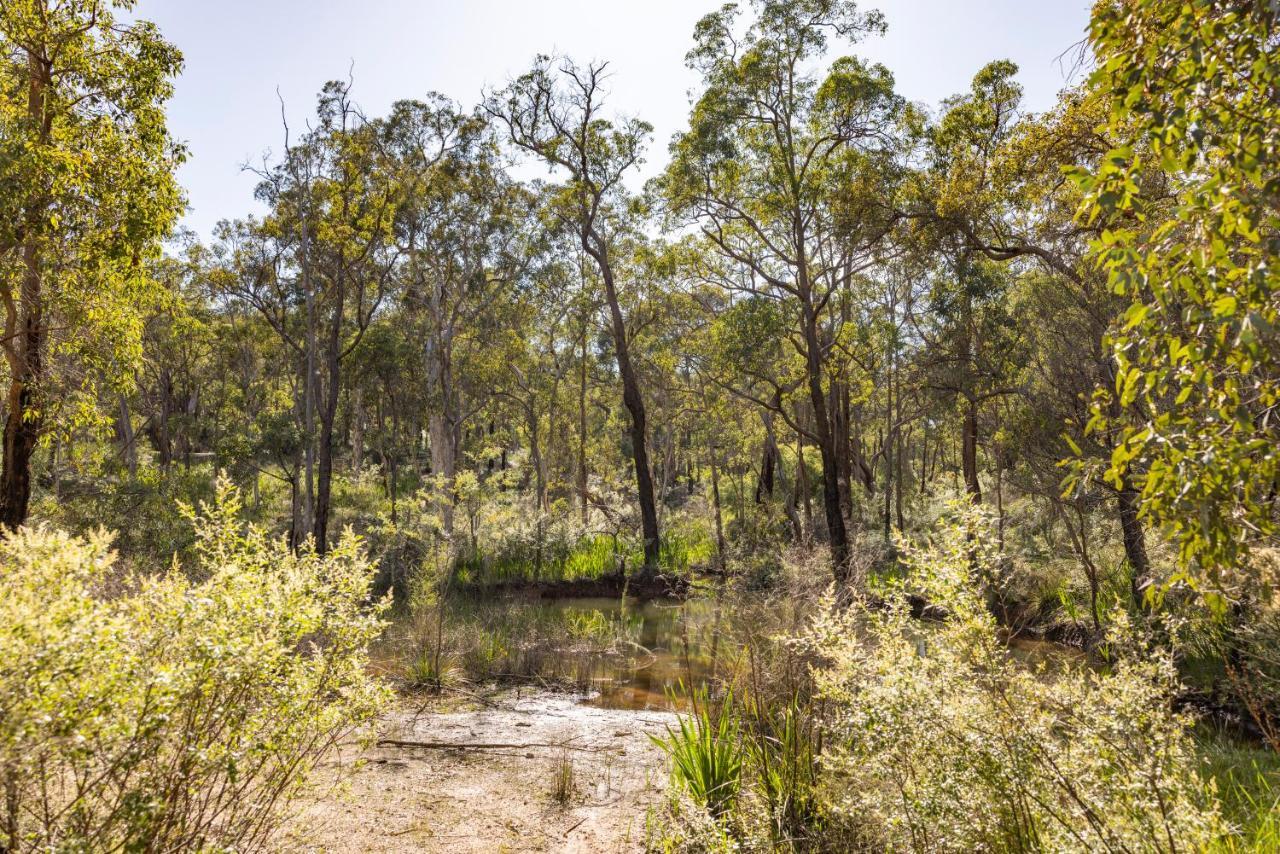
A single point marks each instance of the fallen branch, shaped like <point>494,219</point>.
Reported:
<point>466,745</point>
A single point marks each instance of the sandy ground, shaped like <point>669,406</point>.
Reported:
<point>399,799</point>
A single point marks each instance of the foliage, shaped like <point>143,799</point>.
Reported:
<point>1253,667</point>
<point>1195,97</point>
<point>564,780</point>
<point>828,297</point>
<point>1248,781</point>
<point>942,741</point>
<point>86,182</point>
<point>784,742</point>
<point>143,510</point>
<point>783,169</point>
<point>157,713</point>
<point>87,192</point>
<point>706,754</point>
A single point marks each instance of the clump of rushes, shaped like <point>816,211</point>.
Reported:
<point>706,755</point>
<point>428,671</point>
<point>784,746</point>
<point>564,780</point>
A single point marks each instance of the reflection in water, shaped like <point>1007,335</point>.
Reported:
<point>660,650</point>
<point>624,654</point>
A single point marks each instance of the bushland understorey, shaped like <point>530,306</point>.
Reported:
<point>842,473</point>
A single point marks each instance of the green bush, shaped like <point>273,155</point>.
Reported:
<point>943,741</point>
<point>160,713</point>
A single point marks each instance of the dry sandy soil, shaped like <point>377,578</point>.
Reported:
<point>397,798</point>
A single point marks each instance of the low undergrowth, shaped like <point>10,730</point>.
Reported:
<point>868,730</point>
<point>174,711</point>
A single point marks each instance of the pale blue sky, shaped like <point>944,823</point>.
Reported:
<point>239,51</point>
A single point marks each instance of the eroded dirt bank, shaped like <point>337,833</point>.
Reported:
<point>400,798</point>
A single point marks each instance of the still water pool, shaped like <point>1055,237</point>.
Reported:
<point>622,653</point>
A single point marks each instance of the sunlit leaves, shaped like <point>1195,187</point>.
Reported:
<point>175,710</point>
<point>1198,359</point>
<point>86,186</point>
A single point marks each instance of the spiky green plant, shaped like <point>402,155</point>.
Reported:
<point>564,780</point>
<point>706,756</point>
<point>784,747</point>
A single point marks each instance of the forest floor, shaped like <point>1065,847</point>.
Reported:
<point>398,798</point>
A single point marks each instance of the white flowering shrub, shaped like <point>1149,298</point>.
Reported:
<point>943,741</point>
<point>166,714</point>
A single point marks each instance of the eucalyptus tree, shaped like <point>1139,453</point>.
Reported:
<point>965,213</point>
<point>1068,310</point>
<point>771,153</point>
<point>460,231</point>
<point>1195,88</point>
<point>86,194</point>
<point>998,192</point>
<point>555,112</point>
<point>322,265</point>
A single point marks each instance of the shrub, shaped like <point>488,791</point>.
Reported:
<point>174,714</point>
<point>942,741</point>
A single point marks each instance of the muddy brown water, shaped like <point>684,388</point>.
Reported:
<point>625,654</point>
<point>664,648</point>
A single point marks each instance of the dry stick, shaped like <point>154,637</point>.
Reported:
<point>565,834</point>
<point>415,829</point>
<point>462,745</point>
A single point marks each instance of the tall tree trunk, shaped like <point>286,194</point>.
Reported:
<point>125,434</point>
<point>164,438</point>
<point>969,451</point>
<point>324,484</point>
<point>23,410</point>
<point>1131,532</point>
<point>24,335</point>
<point>328,417</point>
<point>791,500</point>
<point>582,427</point>
<point>444,462</point>
<point>802,484</point>
<point>1081,545</point>
<point>715,504</point>
<point>838,539</point>
<point>553,433</point>
<point>900,457</point>
<point>634,402</point>
<point>840,416</point>
<point>999,501</point>
<point>357,430</point>
<point>858,457</point>
<point>444,426</point>
<point>309,428</point>
<point>769,458</point>
<point>536,460</point>
<point>1135,546</point>
<point>296,517</point>
<point>888,451</point>
<point>393,463</point>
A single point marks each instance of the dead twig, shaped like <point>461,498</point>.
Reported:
<point>472,745</point>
